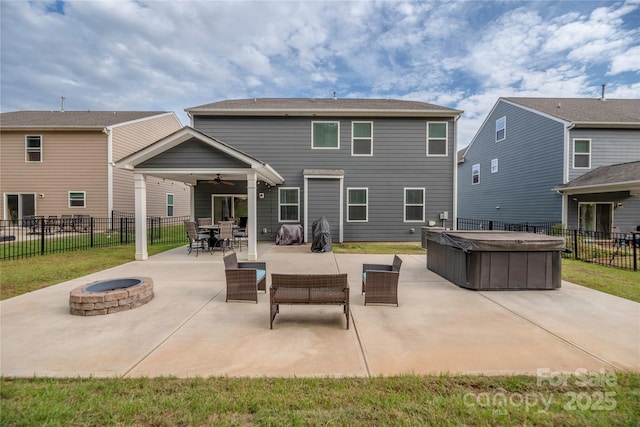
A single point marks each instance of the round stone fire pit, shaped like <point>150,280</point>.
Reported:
<point>110,296</point>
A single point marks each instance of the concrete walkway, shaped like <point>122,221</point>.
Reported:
<point>188,330</point>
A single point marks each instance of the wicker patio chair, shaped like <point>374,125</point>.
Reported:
<point>197,240</point>
<point>244,279</point>
<point>380,282</point>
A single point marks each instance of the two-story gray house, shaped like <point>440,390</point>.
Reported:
<point>574,161</point>
<point>377,169</point>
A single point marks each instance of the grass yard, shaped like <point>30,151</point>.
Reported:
<point>613,400</point>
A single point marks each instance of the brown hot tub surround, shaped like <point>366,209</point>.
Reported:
<point>110,296</point>
<point>495,260</point>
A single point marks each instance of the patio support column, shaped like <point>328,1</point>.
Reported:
<point>140,185</point>
<point>252,220</point>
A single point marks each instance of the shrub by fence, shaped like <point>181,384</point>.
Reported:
<point>621,250</point>
<point>32,236</point>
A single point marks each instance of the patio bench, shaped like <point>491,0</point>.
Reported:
<point>308,289</point>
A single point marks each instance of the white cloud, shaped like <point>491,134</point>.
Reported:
<point>626,61</point>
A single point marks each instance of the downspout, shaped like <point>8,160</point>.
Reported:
<point>110,165</point>
<point>455,173</point>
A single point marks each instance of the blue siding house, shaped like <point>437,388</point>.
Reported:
<point>377,169</point>
<point>574,161</point>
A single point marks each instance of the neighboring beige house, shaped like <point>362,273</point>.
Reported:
<point>62,162</point>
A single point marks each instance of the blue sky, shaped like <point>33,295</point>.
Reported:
<point>169,55</point>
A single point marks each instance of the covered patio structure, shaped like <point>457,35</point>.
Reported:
<point>195,158</point>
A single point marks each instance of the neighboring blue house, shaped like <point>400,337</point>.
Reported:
<point>573,161</point>
<point>377,169</point>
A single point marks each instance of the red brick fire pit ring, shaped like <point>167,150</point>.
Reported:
<point>110,296</point>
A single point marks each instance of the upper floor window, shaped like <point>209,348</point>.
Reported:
<point>362,139</point>
<point>289,204</point>
<point>77,199</point>
<point>325,135</point>
<point>582,153</point>
<point>475,174</point>
<point>169,204</point>
<point>414,204</point>
<point>501,129</point>
<point>357,204</point>
<point>436,139</point>
<point>33,148</point>
<point>494,166</point>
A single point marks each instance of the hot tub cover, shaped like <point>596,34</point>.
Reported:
<point>496,241</point>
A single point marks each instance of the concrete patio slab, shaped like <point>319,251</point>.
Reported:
<point>188,329</point>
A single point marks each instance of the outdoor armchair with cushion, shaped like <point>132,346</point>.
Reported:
<point>244,279</point>
<point>380,282</point>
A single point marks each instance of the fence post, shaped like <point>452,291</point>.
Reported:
<point>635,236</point>
<point>490,225</point>
<point>41,236</point>
<point>575,243</point>
<point>91,231</point>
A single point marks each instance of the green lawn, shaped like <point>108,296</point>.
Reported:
<point>605,400</point>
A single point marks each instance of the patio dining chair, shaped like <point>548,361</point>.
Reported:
<point>225,237</point>
<point>197,241</point>
<point>380,282</point>
<point>244,279</point>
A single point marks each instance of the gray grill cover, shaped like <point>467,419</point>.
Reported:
<point>321,236</point>
<point>496,241</point>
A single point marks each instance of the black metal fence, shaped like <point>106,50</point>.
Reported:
<point>620,250</point>
<point>36,235</point>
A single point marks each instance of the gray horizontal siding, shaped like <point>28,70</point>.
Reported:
<point>193,154</point>
<point>530,164</point>
<point>399,161</point>
<point>608,147</point>
<point>324,201</point>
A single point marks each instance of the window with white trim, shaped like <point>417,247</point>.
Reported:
<point>582,153</point>
<point>494,166</point>
<point>362,138</point>
<point>325,135</point>
<point>437,138</point>
<point>357,204</point>
<point>33,148</point>
<point>414,205</point>
<point>501,129</point>
<point>289,204</point>
<point>475,174</point>
<point>169,204</point>
<point>77,199</point>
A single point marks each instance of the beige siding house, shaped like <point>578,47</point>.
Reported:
<point>61,162</point>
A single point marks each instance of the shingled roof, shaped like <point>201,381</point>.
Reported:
<point>621,173</point>
<point>70,119</point>
<point>322,106</point>
<point>583,111</point>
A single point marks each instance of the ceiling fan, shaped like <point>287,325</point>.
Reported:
<point>219,180</point>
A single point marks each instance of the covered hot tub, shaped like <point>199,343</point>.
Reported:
<point>495,260</point>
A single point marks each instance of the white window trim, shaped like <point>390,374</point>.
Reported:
<point>325,121</point>
<point>26,150</point>
<point>168,204</point>
<point>446,140</point>
<point>354,138</point>
<point>366,205</point>
<point>423,204</point>
<point>84,200</point>
<point>581,154</point>
<point>288,204</point>
<point>494,166</point>
<point>472,174</point>
<point>505,129</point>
